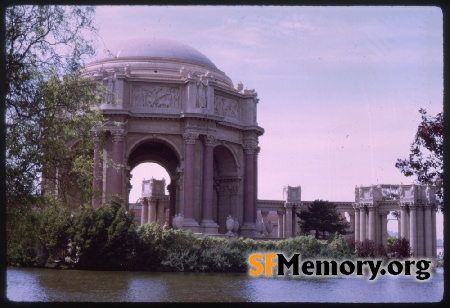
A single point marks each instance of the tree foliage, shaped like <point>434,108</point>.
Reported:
<point>322,218</point>
<point>399,248</point>
<point>103,238</point>
<point>426,153</point>
<point>48,104</point>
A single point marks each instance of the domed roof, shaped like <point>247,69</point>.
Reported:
<point>160,48</point>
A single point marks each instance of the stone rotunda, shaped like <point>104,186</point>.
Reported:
<point>167,103</point>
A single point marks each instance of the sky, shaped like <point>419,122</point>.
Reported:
<point>339,88</point>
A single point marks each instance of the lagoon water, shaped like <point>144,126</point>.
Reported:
<point>44,285</point>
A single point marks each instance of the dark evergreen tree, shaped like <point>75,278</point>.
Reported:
<point>322,218</point>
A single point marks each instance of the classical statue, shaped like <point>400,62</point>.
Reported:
<point>202,84</point>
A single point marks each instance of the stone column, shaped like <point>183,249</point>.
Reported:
<point>377,226</point>
<point>420,231</point>
<point>403,228</point>
<point>255,179</point>
<point>352,222</point>
<point>172,189</point>
<point>152,210</point>
<point>248,226</point>
<point>407,223</point>
<point>288,226</point>
<point>371,223</point>
<point>189,180</point>
<point>117,178</point>
<point>97,182</point>
<point>428,240</point>
<point>383,226</point>
<point>356,223</point>
<point>209,226</point>
<point>295,220</point>
<point>264,220</point>
<point>280,224</point>
<point>362,223</point>
<point>144,211</point>
<point>161,213</point>
<point>412,229</point>
<point>433,231</point>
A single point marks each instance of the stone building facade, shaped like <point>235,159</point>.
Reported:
<point>167,103</point>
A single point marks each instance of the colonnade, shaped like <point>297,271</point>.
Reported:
<point>154,209</point>
<point>415,206</point>
<point>195,180</point>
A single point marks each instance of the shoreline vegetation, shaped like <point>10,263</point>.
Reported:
<point>107,238</point>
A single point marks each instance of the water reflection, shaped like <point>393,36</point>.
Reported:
<point>91,286</point>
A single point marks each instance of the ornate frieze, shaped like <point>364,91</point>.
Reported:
<point>155,96</point>
<point>226,107</point>
<point>191,123</point>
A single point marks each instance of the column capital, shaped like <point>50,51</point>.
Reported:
<point>190,138</point>
<point>404,205</point>
<point>209,140</point>
<point>412,206</point>
<point>250,147</point>
<point>97,134</point>
<point>356,207</point>
<point>144,201</point>
<point>118,134</point>
<point>279,213</point>
<point>383,213</point>
<point>264,212</point>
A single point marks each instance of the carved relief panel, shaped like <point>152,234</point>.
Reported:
<point>226,107</point>
<point>155,96</point>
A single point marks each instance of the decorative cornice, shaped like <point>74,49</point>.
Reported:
<point>292,204</point>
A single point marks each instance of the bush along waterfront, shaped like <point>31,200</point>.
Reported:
<point>107,238</point>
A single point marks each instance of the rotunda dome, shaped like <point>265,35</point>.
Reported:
<point>160,48</point>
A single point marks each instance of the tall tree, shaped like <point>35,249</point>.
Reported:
<point>323,218</point>
<point>47,102</point>
<point>426,153</point>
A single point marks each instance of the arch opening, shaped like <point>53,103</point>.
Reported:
<point>153,165</point>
